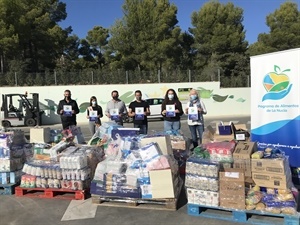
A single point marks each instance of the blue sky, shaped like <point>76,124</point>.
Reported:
<point>83,15</point>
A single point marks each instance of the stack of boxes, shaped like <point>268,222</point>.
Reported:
<point>225,131</point>
<point>13,152</point>
<point>272,173</point>
<point>242,158</point>
<point>202,182</point>
<point>72,169</point>
<point>203,179</point>
<point>137,168</point>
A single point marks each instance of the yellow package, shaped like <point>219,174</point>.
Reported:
<point>257,155</point>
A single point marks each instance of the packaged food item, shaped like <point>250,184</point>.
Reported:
<point>257,155</point>
<point>288,210</point>
<point>260,206</point>
<point>250,207</point>
<point>38,182</point>
<point>273,210</point>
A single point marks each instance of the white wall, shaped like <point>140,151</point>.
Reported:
<point>218,101</point>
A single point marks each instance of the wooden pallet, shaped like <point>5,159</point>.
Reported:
<point>60,193</point>
<point>242,216</point>
<point>156,204</point>
<point>7,189</point>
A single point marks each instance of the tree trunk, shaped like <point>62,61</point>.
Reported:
<point>2,63</point>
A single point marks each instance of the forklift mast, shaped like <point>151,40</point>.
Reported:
<point>36,108</point>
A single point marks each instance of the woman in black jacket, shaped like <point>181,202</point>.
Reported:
<point>94,113</point>
<point>171,110</point>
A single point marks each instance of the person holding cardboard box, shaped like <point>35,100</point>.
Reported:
<point>116,108</point>
<point>67,109</point>
<point>139,110</point>
<point>195,109</point>
<point>94,113</point>
<point>171,110</point>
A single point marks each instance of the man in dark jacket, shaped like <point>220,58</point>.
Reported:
<point>67,109</point>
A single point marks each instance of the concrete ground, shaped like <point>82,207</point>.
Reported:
<point>35,211</point>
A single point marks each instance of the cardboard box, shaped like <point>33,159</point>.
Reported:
<point>180,144</point>
<point>242,156</point>
<point>240,132</point>
<point>271,166</point>
<point>162,184</point>
<point>164,143</point>
<point>40,135</point>
<point>269,180</point>
<point>232,189</point>
<point>212,135</point>
<point>220,138</point>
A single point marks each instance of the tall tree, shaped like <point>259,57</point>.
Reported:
<point>147,35</point>
<point>35,24</point>
<point>284,34</point>
<point>98,39</point>
<point>187,52</point>
<point>219,37</point>
<point>8,36</point>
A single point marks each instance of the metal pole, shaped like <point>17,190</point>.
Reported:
<point>16,79</point>
<point>248,81</point>
<point>126,77</point>
<point>92,77</point>
<point>158,76</point>
<point>190,76</point>
<point>219,75</point>
<point>55,77</point>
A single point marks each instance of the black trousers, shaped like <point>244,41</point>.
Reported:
<point>67,124</point>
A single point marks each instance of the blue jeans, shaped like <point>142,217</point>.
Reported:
<point>143,128</point>
<point>194,129</point>
<point>172,125</point>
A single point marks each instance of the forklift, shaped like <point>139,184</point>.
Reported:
<point>27,112</point>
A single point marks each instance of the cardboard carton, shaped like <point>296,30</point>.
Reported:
<point>270,166</point>
<point>240,132</point>
<point>40,135</point>
<point>180,144</point>
<point>270,180</point>
<point>242,156</point>
<point>164,143</point>
<point>212,135</point>
<point>162,184</point>
<point>232,189</point>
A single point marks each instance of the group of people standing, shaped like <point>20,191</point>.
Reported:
<point>171,110</point>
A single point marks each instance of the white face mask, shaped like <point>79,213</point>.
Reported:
<point>93,103</point>
<point>170,96</point>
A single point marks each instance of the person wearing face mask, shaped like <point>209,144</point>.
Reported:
<point>67,109</point>
<point>139,110</point>
<point>195,122</point>
<point>116,108</point>
<point>171,120</point>
<point>94,113</point>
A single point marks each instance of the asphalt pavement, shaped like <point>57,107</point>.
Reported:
<point>35,211</point>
